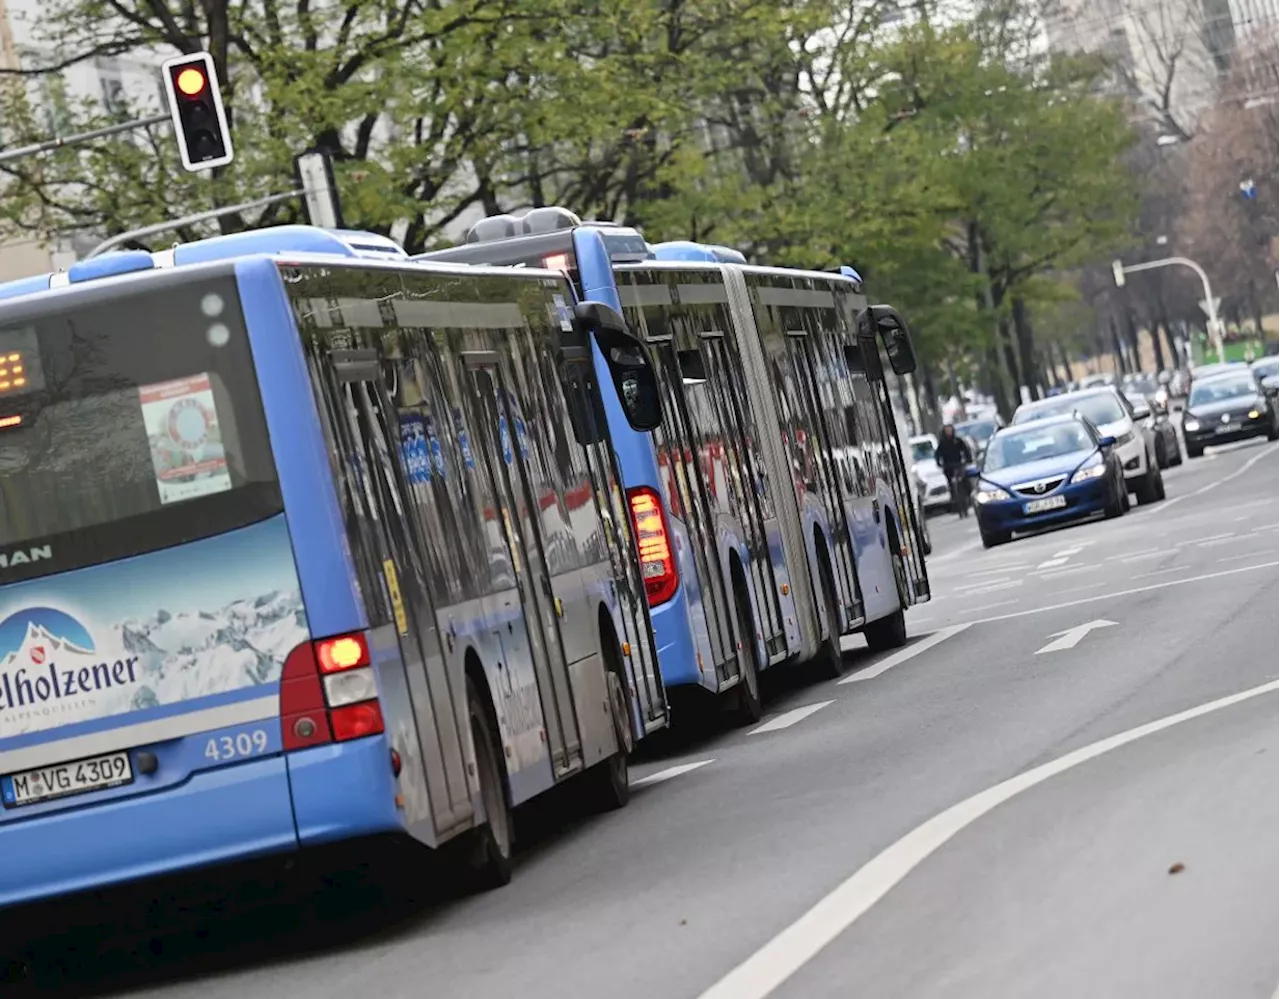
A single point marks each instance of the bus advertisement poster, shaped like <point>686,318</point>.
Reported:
<point>186,440</point>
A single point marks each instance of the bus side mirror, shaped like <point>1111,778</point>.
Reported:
<point>628,362</point>
<point>886,322</point>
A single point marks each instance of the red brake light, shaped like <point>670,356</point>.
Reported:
<point>355,721</point>
<point>653,544</point>
<point>342,652</point>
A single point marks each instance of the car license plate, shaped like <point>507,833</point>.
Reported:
<point>1041,505</point>
<point>61,780</point>
<point>1230,428</point>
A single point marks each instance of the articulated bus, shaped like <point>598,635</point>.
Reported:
<point>774,499</point>
<point>303,547</point>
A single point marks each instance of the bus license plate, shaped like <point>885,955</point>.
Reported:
<point>61,780</point>
<point>1041,505</point>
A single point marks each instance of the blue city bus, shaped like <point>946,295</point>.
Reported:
<point>734,561</point>
<point>302,546</point>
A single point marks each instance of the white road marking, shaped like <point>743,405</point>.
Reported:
<point>1124,593</point>
<point>1209,537</point>
<point>1265,527</point>
<point>1074,550</point>
<point>789,718</point>
<point>665,775</point>
<point>1086,586</point>
<point>1137,554</point>
<point>1072,637</point>
<point>948,556</point>
<point>1213,485</point>
<point>1050,563</point>
<point>1008,566</point>
<point>981,583</point>
<point>987,607</point>
<point>900,657</point>
<point>1238,558</point>
<point>1223,541</point>
<point>989,589</point>
<point>1155,554</point>
<point>1064,570</point>
<point>790,950</point>
<point>1160,572</point>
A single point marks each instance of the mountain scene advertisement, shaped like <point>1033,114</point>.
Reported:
<point>157,634</point>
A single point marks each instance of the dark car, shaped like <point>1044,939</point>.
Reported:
<point>1037,474</point>
<point>1155,414</point>
<point>1267,371</point>
<point>1228,407</point>
<point>978,432</point>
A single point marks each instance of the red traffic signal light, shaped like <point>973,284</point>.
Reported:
<point>195,104</point>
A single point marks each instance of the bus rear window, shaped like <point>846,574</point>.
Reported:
<point>138,426</point>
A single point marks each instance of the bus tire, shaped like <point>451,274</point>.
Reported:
<point>748,708</point>
<point>606,786</point>
<point>489,854</point>
<point>888,632</point>
<point>829,662</point>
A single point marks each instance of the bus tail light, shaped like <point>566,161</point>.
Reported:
<point>653,541</point>
<point>328,693</point>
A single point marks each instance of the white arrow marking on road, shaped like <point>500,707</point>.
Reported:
<point>665,775</point>
<point>789,718</point>
<point>1070,638</point>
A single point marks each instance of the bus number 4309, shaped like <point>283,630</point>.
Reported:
<point>237,746</point>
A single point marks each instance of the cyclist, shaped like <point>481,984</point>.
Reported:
<point>952,455</point>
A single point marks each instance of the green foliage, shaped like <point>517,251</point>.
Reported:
<point>806,132</point>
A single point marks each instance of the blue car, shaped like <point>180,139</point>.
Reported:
<point>1038,474</point>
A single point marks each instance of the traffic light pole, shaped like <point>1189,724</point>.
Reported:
<point>151,230</point>
<point>1210,303</point>
<point>75,140</point>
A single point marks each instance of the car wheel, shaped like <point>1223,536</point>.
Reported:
<point>1162,458</point>
<point>992,538</point>
<point>1146,491</point>
<point>1194,452</point>
<point>1160,485</point>
<point>1177,455</point>
<point>1115,505</point>
<point>1273,431</point>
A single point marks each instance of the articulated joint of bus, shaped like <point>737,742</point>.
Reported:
<point>653,544</point>
<point>328,693</point>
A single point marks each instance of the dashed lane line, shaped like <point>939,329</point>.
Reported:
<point>1155,554</point>
<point>1050,563</point>
<point>1138,553</point>
<point>1241,558</point>
<point>665,775</point>
<point>1159,572</point>
<point>789,718</point>
<point>903,655</point>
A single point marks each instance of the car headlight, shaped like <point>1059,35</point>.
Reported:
<point>1192,425</point>
<point>1123,439</point>
<point>990,494</point>
<point>1090,472</point>
<point>1254,414</point>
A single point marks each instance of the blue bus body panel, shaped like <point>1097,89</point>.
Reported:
<point>302,460</point>
<point>232,813</point>
<point>638,465</point>
<point>344,790</point>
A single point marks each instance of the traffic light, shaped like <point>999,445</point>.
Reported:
<point>199,120</point>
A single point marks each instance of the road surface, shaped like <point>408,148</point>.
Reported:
<point>874,836</point>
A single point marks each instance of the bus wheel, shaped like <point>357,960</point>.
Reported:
<point>489,857</point>
<point>887,632</point>
<point>606,785</point>
<point>829,661</point>
<point>747,708</point>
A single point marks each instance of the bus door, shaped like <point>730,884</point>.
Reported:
<point>745,470</point>
<point>499,424</point>
<point>891,467</point>
<point>813,372</point>
<point>381,502</point>
<point>680,372</point>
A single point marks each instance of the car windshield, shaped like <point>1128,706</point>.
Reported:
<point>921,451</point>
<point>979,430</point>
<point>1099,409</point>
<point>1222,389</point>
<point>1019,447</point>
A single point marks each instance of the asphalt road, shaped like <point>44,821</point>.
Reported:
<point>972,817</point>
